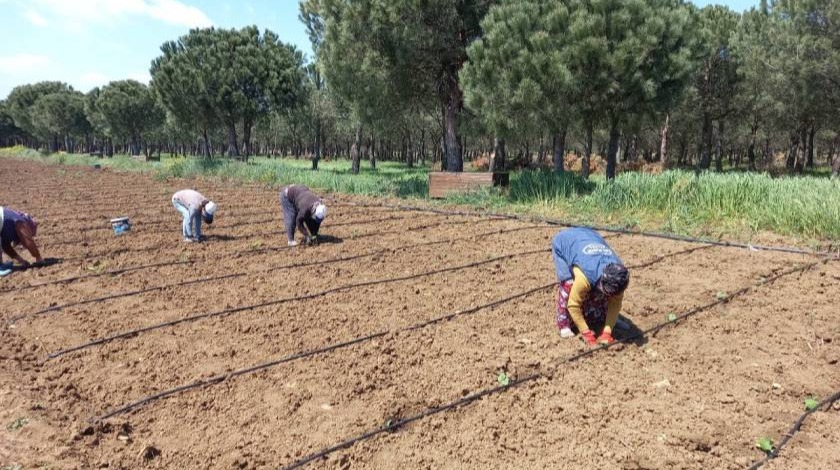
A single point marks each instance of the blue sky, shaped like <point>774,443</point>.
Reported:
<point>88,43</point>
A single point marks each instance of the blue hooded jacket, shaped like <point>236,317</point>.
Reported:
<point>584,248</point>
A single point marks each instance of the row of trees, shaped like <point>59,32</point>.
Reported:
<point>521,81</point>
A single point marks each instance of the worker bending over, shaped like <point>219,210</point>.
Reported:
<point>304,210</point>
<point>591,283</point>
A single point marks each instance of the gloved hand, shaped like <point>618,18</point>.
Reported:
<point>588,337</point>
<point>606,338</point>
<point>311,240</point>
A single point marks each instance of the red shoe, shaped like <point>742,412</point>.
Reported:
<point>606,338</point>
<point>588,337</point>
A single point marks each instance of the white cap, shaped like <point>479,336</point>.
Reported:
<point>210,208</point>
<point>320,211</point>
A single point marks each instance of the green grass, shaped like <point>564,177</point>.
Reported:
<point>732,204</point>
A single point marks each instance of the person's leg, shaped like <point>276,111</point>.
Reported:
<point>563,320</point>
<point>289,216</point>
<point>196,217</point>
<point>186,232</point>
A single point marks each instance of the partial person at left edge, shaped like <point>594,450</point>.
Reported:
<point>17,228</point>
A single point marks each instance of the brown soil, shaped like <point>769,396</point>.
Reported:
<point>695,395</point>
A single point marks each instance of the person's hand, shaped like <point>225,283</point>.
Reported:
<point>588,337</point>
<point>606,338</point>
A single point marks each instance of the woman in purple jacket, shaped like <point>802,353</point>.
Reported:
<point>17,228</point>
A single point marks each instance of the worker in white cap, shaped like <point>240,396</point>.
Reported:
<point>304,210</point>
<point>194,207</point>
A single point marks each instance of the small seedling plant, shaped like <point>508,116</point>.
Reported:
<point>503,378</point>
<point>812,403</point>
<point>765,444</point>
<point>17,424</point>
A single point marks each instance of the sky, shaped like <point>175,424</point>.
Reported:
<point>89,43</point>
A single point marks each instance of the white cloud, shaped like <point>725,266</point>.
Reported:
<point>90,80</point>
<point>22,64</point>
<point>35,18</point>
<point>142,77</point>
<point>75,14</point>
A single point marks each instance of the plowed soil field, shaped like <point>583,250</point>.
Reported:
<point>268,354</point>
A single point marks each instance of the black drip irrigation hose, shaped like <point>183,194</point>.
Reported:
<point>325,349</point>
<point>269,249</point>
<point>603,228</point>
<point>120,295</point>
<point>270,303</point>
<point>173,223</point>
<point>312,352</point>
<point>373,253</point>
<point>396,424</point>
<point>112,272</point>
<point>793,430</point>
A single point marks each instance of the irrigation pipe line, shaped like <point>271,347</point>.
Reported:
<point>50,217</point>
<point>119,295</point>
<point>230,311</point>
<point>398,423</point>
<point>112,272</point>
<point>312,352</point>
<point>325,349</point>
<point>603,228</point>
<point>139,231</point>
<point>793,430</point>
<point>267,249</point>
<point>382,251</point>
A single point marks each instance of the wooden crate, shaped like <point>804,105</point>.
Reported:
<point>442,183</point>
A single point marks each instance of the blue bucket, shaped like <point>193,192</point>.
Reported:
<point>120,225</point>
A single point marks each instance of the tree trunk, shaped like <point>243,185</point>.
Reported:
<point>233,145</point>
<point>559,144</point>
<point>719,148</point>
<point>207,152</point>
<point>497,163</point>
<point>793,150</point>
<point>246,137</point>
<point>662,152</point>
<point>587,151</point>
<point>356,151</point>
<point>453,158</point>
<point>810,161</point>
<point>705,144</point>
<point>135,145</point>
<point>372,150</point>
<point>316,156</point>
<point>612,149</point>
<point>410,152</point>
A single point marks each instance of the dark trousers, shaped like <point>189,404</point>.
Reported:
<point>289,215</point>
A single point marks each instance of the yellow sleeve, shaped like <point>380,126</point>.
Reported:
<point>579,293</point>
<point>613,309</point>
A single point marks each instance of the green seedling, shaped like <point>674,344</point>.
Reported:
<point>672,316</point>
<point>765,444</point>
<point>503,378</point>
<point>256,245</point>
<point>97,267</point>
<point>17,424</point>
<point>721,295</point>
<point>811,403</point>
<point>389,423</point>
